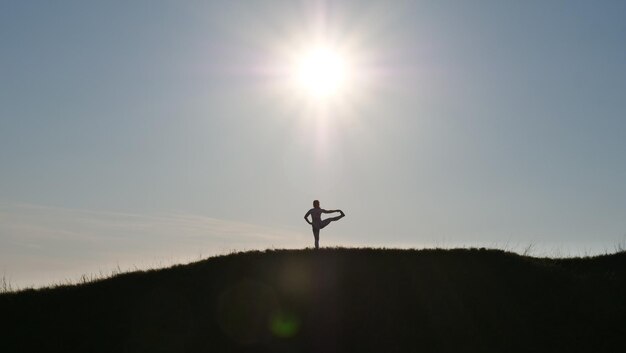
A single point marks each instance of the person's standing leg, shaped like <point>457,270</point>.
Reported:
<point>316,234</point>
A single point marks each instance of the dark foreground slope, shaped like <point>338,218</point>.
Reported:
<point>334,300</point>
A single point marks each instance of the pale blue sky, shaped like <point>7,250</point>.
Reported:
<point>483,123</point>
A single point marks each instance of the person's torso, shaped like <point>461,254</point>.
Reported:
<point>316,214</point>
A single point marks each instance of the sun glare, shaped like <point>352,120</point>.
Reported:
<point>321,72</point>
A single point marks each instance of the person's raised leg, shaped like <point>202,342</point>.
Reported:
<point>333,219</point>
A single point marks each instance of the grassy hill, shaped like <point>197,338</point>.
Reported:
<point>334,300</point>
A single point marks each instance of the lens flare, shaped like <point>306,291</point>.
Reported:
<point>284,325</point>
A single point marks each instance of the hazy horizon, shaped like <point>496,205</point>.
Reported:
<point>135,133</point>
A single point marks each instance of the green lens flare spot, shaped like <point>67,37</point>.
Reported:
<point>284,325</point>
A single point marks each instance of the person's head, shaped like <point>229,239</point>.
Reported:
<point>316,204</point>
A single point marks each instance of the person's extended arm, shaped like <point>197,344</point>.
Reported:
<point>329,211</point>
<point>306,219</point>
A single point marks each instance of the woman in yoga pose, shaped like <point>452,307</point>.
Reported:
<point>316,220</point>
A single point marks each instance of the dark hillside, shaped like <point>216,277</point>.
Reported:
<point>334,300</point>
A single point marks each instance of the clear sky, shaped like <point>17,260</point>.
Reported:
<point>149,132</point>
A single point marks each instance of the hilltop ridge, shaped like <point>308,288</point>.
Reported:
<point>333,300</point>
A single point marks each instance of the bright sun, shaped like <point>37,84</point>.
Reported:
<point>321,72</point>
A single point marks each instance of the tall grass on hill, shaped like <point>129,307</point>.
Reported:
<point>5,286</point>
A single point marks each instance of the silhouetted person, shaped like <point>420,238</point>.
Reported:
<point>317,223</point>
